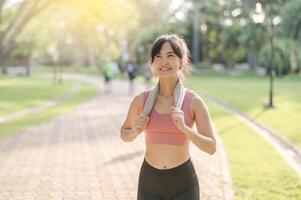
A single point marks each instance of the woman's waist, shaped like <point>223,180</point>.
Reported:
<point>165,156</point>
<point>182,175</point>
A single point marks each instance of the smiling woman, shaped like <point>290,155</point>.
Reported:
<point>165,55</point>
<point>166,114</point>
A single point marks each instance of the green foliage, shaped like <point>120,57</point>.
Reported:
<point>291,19</point>
<point>234,50</point>
<point>283,50</point>
<point>212,36</point>
<point>91,71</point>
<point>102,30</point>
<point>80,32</point>
<point>251,94</point>
<point>23,50</point>
<point>203,65</point>
<point>154,19</point>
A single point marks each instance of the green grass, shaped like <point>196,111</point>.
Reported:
<point>249,94</point>
<point>86,92</point>
<point>21,92</point>
<point>257,170</point>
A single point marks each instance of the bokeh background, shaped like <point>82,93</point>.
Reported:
<point>245,54</point>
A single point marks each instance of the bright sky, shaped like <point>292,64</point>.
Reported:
<point>9,3</point>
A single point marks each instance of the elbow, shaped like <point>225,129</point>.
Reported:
<point>213,148</point>
<point>212,151</point>
<point>122,137</point>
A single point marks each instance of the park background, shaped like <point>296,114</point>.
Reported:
<point>245,54</point>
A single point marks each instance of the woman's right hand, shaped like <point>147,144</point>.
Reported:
<point>140,123</point>
<point>134,123</point>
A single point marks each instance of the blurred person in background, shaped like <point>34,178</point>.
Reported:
<point>132,71</point>
<point>109,69</point>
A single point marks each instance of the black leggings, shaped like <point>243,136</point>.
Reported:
<point>178,183</point>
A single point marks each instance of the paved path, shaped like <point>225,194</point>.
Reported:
<point>80,156</point>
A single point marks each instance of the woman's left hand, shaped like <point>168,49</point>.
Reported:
<point>177,117</point>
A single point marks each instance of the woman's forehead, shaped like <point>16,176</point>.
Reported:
<point>166,48</point>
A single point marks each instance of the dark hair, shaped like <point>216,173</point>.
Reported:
<point>178,45</point>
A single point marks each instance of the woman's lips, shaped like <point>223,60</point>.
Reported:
<point>165,68</point>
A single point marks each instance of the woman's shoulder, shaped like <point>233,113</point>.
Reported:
<point>196,100</point>
<point>140,98</point>
<point>193,95</point>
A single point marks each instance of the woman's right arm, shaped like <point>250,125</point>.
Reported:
<point>128,132</point>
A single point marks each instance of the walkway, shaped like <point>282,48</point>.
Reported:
<point>80,156</point>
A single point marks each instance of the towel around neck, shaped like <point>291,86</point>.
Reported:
<point>178,94</point>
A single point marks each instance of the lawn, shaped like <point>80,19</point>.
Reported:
<point>249,94</point>
<point>257,170</point>
<point>17,93</point>
<point>42,90</point>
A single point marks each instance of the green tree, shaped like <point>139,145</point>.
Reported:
<point>13,20</point>
<point>154,18</point>
<point>291,20</point>
<point>86,37</point>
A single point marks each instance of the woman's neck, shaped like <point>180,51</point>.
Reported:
<point>167,86</point>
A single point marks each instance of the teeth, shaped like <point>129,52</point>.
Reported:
<point>164,69</point>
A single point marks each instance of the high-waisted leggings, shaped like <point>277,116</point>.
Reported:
<point>178,183</point>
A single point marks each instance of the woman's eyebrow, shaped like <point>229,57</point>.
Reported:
<point>170,52</point>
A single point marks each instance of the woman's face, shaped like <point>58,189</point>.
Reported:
<point>166,63</point>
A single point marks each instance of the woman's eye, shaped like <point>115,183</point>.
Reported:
<point>170,55</point>
<point>158,56</point>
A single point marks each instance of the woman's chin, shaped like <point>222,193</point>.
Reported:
<point>162,75</point>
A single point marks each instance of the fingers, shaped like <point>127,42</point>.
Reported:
<point>176,114</point>
<point>141,122</point>
<point>175,110</point>
<point>143,117</point>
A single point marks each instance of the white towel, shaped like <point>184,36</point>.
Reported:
<point>178,94</point>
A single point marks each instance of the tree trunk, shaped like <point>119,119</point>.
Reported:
<point>3,66</point>
<point>251,59</point>
<point>91,56</point>
<point>13,22</point>
<point>14,29</point>
<point>79,58</point>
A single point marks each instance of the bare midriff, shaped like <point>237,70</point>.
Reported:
<point>166,156</point>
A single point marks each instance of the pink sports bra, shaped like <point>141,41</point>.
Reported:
<point>162,130</point>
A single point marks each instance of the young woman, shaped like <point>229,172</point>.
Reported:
<point>167,171</point>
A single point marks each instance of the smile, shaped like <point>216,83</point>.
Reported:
<point>165,68</point>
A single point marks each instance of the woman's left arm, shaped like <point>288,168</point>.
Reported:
<point>203,138</point>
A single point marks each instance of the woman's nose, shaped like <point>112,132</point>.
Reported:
<point>164,61</point>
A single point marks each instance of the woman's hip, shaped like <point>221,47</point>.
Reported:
<point>179,178</point>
